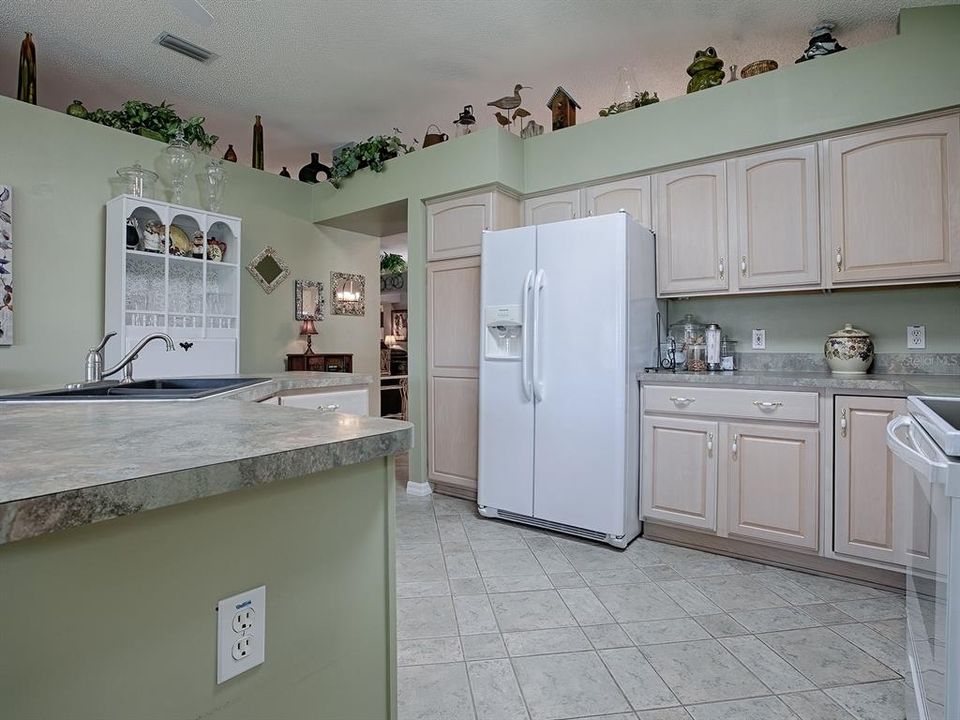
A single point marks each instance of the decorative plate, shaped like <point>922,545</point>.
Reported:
<point>180,243</point>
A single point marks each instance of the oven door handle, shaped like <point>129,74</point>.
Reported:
<point>932,468</point>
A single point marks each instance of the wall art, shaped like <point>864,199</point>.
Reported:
<point>308,300</point>
<point>399,325</point>
<point>349,294</point>
<point>6,265</point>
<point>268,269</point>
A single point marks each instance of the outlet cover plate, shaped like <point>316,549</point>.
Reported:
<point>916,337</point>
<point>759,339</point>
<point>245,611</point>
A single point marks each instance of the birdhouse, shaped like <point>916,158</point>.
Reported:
<point>563,109</point>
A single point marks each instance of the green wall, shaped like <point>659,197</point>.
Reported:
<point>60,169</point>
<point>910,74</point>
<point>117,620</point>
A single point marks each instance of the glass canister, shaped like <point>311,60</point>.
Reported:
<point>686,332</point>
<point>713,334</point>
<point>697,357</point>
<point>137,180</point>
<point>728,354</point>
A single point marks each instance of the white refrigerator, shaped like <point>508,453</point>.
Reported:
<point>568,320</point>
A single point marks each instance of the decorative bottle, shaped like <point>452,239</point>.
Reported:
<point>258,144</point>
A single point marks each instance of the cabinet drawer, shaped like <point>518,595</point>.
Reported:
<point>726,402</point>
<point>351,402</point>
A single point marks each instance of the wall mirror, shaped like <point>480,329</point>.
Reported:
<point>349,293</point>
<point>308,300</point>
<point>268,269</point>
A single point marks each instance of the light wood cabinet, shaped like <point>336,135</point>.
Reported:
<point>894,202</point>
<point>692,223</point>
<point>556,207</point>
<point>775,218</point>
<point>455,226</point>
<point>876,515</point>
<point>679,471</point>
<point>772,481</point>
<point>631,195</point>
<point>453,357</point>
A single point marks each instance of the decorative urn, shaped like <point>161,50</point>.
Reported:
<point>849,351</point>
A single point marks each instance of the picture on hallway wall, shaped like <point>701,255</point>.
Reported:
<point>399,325</point>
<point>6,265</point>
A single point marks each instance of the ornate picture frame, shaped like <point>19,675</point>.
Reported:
<point>398,322</point>
<point>6,265</point>
<point>308,300</point>
<point>268,269</point>
<point>348,294</point>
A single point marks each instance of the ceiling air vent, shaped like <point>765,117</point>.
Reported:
<point>184,47</point>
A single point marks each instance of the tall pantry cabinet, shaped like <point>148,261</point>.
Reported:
<point>454,233</point>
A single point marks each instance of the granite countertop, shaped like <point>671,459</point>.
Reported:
<point>70,464</point>
<point>905,384</point>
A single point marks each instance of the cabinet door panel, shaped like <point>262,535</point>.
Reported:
<point>692,230</point>
<point>631,195</point>
<point>680,471</point>
<point>865,476</point>
<point>455,227</point>
<point>552,208</point>
<point>453,430</point>
<point>894,200</point>
<point>778,218</point>
<point>772,474</point>
<point>453,289</point>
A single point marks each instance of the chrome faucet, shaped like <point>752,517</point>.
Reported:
<point>95,371</point>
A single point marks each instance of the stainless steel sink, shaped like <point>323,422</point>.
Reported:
<point>161,389</point>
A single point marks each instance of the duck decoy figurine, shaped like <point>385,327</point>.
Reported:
<point>502,119</point>
<point>509,102</point>
<point>520,113</point>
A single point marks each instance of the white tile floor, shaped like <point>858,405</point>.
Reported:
<point>502,622</point>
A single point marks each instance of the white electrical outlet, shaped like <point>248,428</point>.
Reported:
<point>241,628</point>
<point>916,337</point>
<point>759,339</point>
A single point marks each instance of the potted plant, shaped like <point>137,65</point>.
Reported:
<point>392,264</point>
<point>157,122</point>
<point>372,153</point>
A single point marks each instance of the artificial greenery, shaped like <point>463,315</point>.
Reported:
<point>639,100</point>
<point>372,153</point>
<point>392,264</point>
<point>157,122</point>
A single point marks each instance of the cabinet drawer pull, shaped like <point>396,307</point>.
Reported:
<point>328,408</point>
<point>843,423</point>
<point>721,268</point>
<point>733,447</point>
<point>763,405</point>
<point>839,260</point>
<point>743,266</point>
<point>680,400</point>
<point>709,443</point>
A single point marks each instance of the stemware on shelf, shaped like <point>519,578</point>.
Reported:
<point>179,159</point>
<point>213,179</point>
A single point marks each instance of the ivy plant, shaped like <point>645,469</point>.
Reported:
<point>157,122</point>
<point>372,153</point>
<point>392,264</point>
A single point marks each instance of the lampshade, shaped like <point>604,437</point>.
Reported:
<point>307,328</point>
<point>389,340</point>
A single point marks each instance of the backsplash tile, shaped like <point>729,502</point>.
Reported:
<point>885,363</point>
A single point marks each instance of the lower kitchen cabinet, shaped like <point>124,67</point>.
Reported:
<point>352,402</point>
<point>772,481</point>
<point>879,514</point>
<point>679,476</point>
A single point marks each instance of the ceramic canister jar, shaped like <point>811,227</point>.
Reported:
<point>849,351</point>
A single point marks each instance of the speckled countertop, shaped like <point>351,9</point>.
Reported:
<point>910,384</point>
<point>70,464</point>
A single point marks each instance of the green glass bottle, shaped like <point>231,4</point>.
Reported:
<point>258,144</point>
<point>27,80</point>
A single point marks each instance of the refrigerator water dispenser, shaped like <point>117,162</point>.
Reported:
<point>503,339</point>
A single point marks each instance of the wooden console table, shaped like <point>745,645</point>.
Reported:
<point>321,362</point>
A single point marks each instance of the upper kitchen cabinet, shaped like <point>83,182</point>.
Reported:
<point>894,202</point>
<point>455,227</point>
<point>692,230</point>
<point>631,195</point>
<point>552,208</point>
<point>775,218</point>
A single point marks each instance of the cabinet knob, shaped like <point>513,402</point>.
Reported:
<point>682,401</point>
<point>839,259</point>
<point>743,266</point>
<point>721,268</point>
<point>328,408</point>
<point>764,405</point>
<point>709,443</point>
<point>843,423</point>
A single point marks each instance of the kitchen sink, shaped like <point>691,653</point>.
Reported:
<point>160,389</point>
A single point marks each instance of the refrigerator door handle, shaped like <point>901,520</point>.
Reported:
<point>538,285</point>
<point>526,376</point>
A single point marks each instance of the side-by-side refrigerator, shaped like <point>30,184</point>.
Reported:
<point>569,319</point>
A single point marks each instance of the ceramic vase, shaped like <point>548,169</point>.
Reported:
<point>849,351</point>
<point>310,172</point>
<point>258,144</point>
<point>230,155</point>
<point>27,79</point>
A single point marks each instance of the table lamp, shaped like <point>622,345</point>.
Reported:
<point>307,328</point>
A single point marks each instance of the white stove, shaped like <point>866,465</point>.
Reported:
<point>928,441</point>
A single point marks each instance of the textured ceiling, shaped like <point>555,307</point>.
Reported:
<point>328,71</point>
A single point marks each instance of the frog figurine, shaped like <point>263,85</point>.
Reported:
<point>706,70</point>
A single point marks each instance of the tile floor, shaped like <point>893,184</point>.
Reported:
<point>502,622</point>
